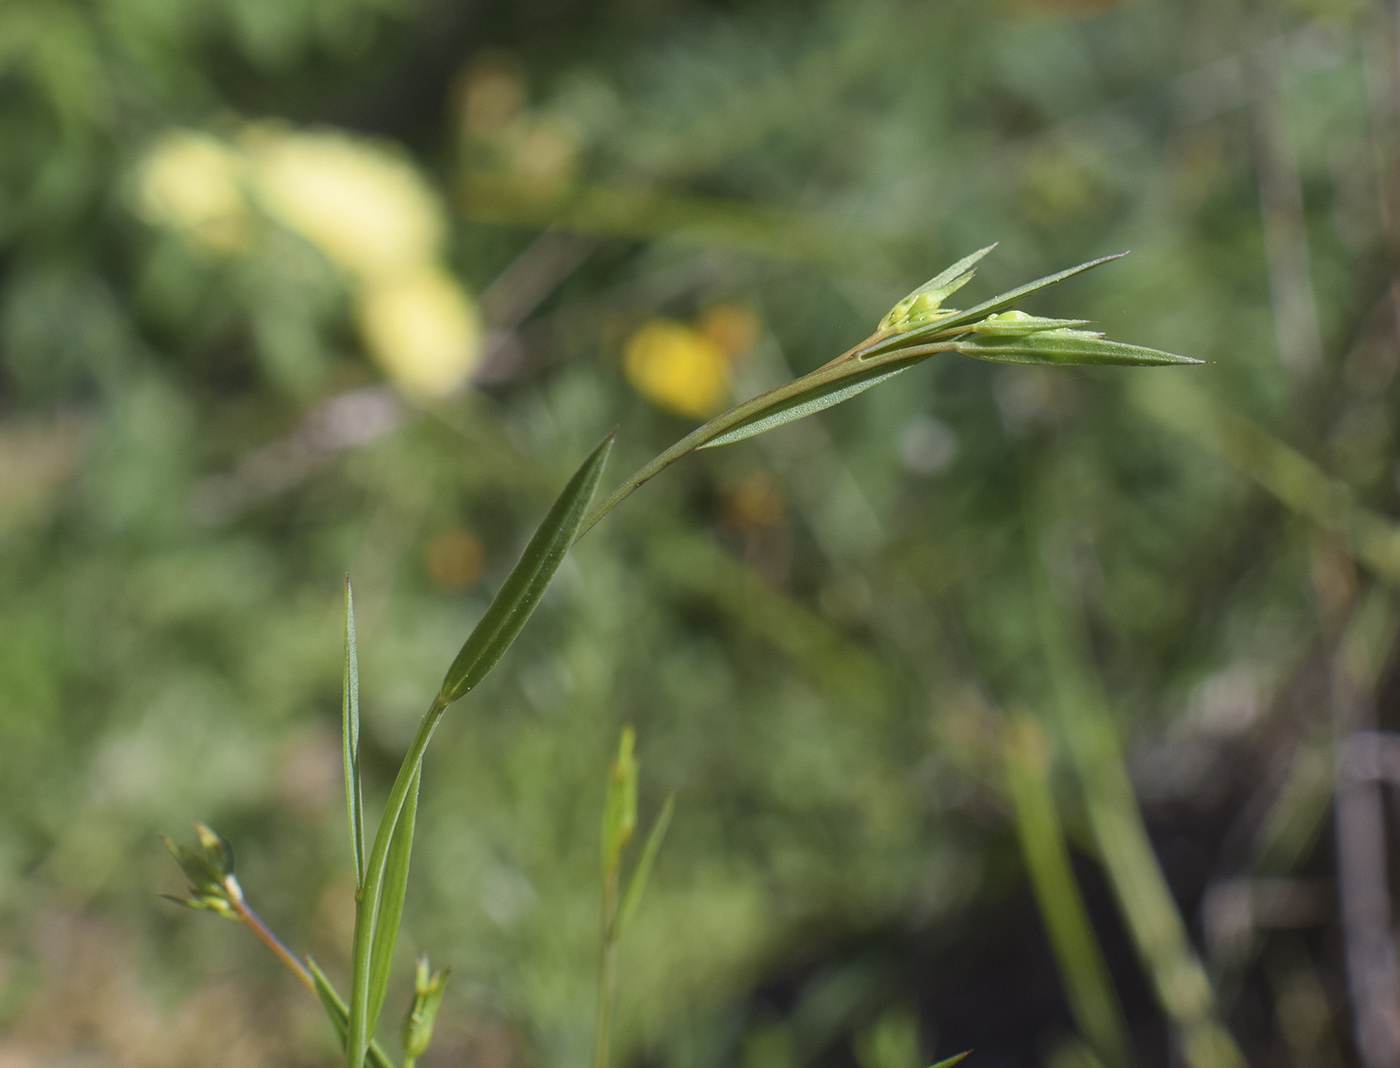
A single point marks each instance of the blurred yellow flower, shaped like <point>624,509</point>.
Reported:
<point>194,182</point>
<point>423,329</point>
<point>365,207</point>
<point>678,368</point>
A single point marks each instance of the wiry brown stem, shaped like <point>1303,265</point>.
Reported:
<point>254,923</point>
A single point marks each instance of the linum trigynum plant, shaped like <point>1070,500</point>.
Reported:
<point>916,328</point>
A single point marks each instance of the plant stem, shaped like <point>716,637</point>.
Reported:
<point>367,906</point>
<point>606,971</point>
<point>254,923</point>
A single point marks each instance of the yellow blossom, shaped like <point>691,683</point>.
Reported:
<point>193,182</point>
<point>423,330</point>
<point>678,368</point>
<point>364,206</point>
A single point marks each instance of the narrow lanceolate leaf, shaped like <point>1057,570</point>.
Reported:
<point>350,738</point>
<point>637,886</point>
<point>386,927</point>
<point>503,620</point>
<point>526,585</point>
<point>1063,347</point>
<point>950,1061</point>
<point>1003,301</point>
<point>336,1012</point>
<point>818,397</point>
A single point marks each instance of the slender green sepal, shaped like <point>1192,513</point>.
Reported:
<point>950,325</point>
<point>950,1061</point>
<point>196,867</point>
<point>526,585</point>
<point>338,1015</point>
<point>386,927</point>
<point>503,620</point>
<point>620,807</point>
<point>417,1030</point>
<point>350,738</point>
<point>1018,324</point>
<point>637,885</point>
<point>1063,347</point>
<point>1003,301</point>
<point>217,850</point>
<point>922,304</point>
<point>213,886</point>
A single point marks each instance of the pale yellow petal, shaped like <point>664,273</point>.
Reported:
<point>678,368</point>
<point>193,182</point>
<point>422,329</point>
<point>365,207</point>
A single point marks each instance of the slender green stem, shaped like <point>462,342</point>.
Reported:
<point>844,366</point>
<point>606,971</point>
<point>367,905</point>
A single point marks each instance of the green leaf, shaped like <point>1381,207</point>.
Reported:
<point>336,1012</point>
<point>839,380</point>
<point>350,738</point>
<point>1064,347</point>
<point>637,885</point>
<point>504,618</point>
<point>386,927</point>
<point>808,402</point>
<point>921,304</point>
<point>522,591</point>
<point>950,1061</point>
<point>1004,301</point>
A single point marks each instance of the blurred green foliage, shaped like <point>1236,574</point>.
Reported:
<point>812,631</point>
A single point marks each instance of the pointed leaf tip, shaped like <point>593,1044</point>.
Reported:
<point>523,588</point>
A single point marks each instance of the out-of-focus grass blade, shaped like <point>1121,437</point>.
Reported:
<point>504,618</point>
<point>350,738</point>
<point>1064,347</point>
<point>386,927</point>
<point>337,1013</point>
<point>1091,741</point>
<point>637,885</point>
<point>950,1061</point>
<point>526,585</point>
<point>1092,998</point>
<point>1279,469</point>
